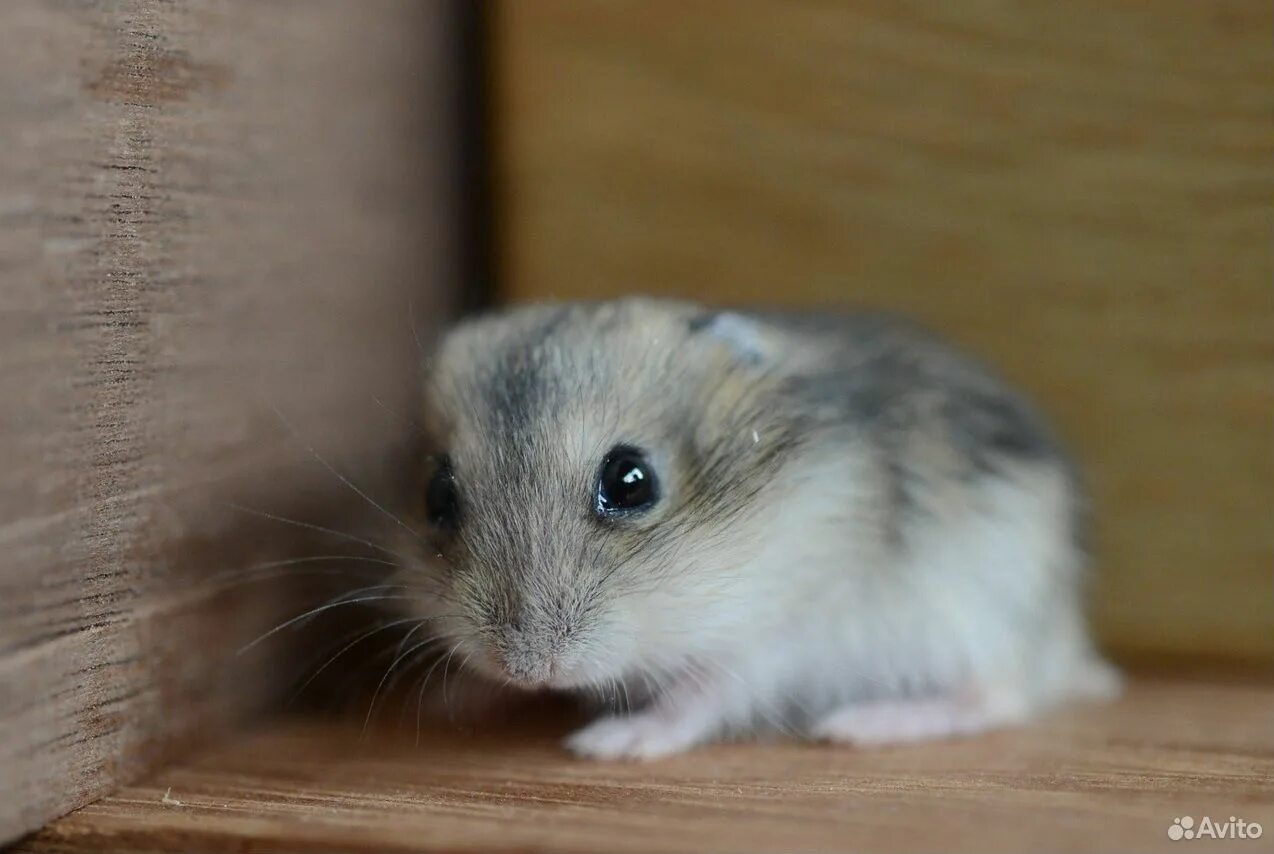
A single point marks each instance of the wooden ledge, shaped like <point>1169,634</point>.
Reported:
<point>1095,777</point>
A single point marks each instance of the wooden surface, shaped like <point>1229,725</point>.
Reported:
<point>1081,192</point>
<point>207,210</point>
<point>1093,778</point>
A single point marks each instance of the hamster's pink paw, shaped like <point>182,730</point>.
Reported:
<point>900,721</point>
<point>644,735</point>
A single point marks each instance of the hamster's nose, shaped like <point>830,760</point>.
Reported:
<point>525,669</point>
<point>522,656</point>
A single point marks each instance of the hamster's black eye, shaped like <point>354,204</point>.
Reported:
<point>626,483</point>
<point>442,501</point>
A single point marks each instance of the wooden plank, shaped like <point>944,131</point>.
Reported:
<point>206,211</point>
<point>1082,192</point>
<point>1094,778</point>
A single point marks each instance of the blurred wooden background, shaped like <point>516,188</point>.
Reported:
<point>1082,192</point>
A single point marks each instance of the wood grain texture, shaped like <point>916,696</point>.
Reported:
<point>1096,778</point>
<point>1081,192</point>
<point>207,210</point>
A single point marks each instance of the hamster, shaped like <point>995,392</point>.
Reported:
<point>833,527</point>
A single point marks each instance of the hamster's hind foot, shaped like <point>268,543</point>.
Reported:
<point>920,719</point>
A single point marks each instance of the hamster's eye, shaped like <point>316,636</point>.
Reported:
<point>442,501</point>
<point>626,483</point>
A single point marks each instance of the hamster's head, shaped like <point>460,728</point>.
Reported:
<point>587,487</point>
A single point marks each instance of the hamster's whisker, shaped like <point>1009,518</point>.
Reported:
<point>359,591</point>
<point>422,656</point>
<point>371,707</point>
<point>402,418</point>
<point>320,609</point>
<point>383,587</point>
<point>356,683</point>
<point>447,666</point>
<point>344,535</point>
<point>463,663</point>
<point>402,642</point>
<point>344,649</point>
<point>260,571</point>
<point>420,695</point>
<point>342,478</point>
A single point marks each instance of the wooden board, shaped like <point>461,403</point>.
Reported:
<point>207,211</point>
<point>1081,192</point>
<point>1094,778</point>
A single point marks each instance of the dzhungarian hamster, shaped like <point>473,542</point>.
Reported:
<point>834,526</point>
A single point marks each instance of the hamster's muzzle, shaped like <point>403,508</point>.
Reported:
<point>529,656</point>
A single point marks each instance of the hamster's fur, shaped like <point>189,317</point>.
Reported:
<point>861,534</point>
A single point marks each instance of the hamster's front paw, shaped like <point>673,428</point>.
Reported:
<point>642,735</point>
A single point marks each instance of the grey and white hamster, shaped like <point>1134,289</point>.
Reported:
<point>833,526</point>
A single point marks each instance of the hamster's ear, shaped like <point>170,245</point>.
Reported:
<point>743,336</point>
